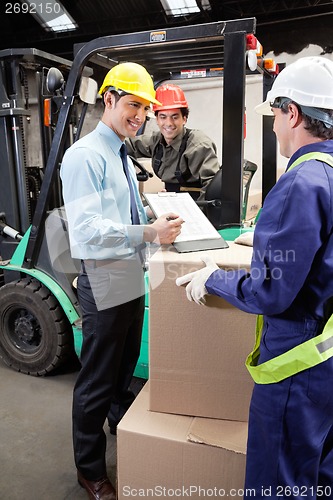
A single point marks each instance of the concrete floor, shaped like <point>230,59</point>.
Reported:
<point>36,457</point>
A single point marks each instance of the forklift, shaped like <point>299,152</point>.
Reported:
<point>45,101</point>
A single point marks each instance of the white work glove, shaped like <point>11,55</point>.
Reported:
<point>196,289</point>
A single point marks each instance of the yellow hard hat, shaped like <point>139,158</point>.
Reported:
<point>131,78</point>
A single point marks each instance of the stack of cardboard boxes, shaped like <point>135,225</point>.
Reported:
<point>185,435</point>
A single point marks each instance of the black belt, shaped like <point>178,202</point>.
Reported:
<point>112,263</point>
<point>93,263</point>
<point>97,263</point>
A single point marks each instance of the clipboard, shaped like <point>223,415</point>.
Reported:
<point>198,233</point>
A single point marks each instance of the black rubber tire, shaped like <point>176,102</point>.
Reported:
<point>35,334</point>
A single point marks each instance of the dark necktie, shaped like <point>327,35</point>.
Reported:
<point>134,208</point>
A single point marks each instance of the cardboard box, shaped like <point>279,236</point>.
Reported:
<point>197,353</point>
<point>254,203</point>
<point>163,455</point>
<point>153,184</point>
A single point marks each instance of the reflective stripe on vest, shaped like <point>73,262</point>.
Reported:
<point>305,355</point>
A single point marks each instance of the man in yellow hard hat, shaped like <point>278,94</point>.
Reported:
<point>108,231</point>
<point>185,159</point>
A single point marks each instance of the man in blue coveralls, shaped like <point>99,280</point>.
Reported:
<point>290,442</point>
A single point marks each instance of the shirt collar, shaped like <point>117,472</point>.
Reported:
<point>114,141</point>
<point>176,142</point>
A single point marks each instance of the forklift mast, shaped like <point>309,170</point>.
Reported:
<point>226,43</point>
<point>25,138</point>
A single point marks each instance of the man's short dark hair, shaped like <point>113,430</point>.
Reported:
<point>184,111</point>
<point>116,94</point>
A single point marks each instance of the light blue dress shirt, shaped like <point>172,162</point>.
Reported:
<point>97,198</point>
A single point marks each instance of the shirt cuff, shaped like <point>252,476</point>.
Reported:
<point>135,235</point>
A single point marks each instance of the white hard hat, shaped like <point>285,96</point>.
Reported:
<point>308,82</point>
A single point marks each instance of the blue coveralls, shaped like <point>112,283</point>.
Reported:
<point>290,443</point>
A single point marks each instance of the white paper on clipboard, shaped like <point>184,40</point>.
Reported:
<point>196,227</point>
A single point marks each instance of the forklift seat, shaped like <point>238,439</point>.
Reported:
<point>212,203</point>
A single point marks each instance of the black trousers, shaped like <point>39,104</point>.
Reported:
<point>110,351</point>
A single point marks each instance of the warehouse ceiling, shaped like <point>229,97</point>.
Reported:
<point>282,26</point>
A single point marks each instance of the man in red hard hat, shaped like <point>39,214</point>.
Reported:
<point>185,159</point>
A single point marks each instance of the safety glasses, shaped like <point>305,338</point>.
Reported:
<point>315,113</point>
<point>279,102</point>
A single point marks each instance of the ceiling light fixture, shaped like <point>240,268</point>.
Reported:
<point>51,15</point>
<point>179,7</point>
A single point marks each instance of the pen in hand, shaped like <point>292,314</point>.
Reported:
<point>173,218</point>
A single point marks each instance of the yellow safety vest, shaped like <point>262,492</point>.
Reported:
<point>305,355</point>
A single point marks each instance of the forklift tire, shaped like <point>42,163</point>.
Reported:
<point>35,334</point>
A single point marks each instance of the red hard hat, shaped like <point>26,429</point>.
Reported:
<point>171,97</point>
